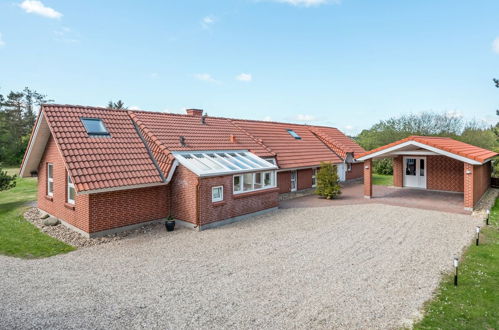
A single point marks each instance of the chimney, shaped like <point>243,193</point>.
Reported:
<point>194,112</point>
<point>232,138</point>
<point>203,118</point>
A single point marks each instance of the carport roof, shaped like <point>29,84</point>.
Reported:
<point>443,145</point>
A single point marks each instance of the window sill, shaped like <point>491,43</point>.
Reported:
<point>220,203</point>
<point>253,193</point>
<point>49,198</point>
<point>69,206</point>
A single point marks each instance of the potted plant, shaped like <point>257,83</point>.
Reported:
<point>170,223</point>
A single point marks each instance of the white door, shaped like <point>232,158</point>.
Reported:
<point>415,172</point>
<point>293,181</point>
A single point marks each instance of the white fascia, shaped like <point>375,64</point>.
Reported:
<point>419,145</point>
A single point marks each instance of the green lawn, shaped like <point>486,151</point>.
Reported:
<point>382,180</point>
<point>18,237</point>
<point>474,304</point>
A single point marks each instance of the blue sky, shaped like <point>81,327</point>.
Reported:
<point>342,63</point>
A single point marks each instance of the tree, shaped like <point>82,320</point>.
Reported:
<point>17,117</point>
<point>6,181</point>
<point>120,105</point>
<point>328,181</point>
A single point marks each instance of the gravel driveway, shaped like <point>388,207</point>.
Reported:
<point>367,266</point>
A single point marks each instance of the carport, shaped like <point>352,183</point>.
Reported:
<point>434,163</point>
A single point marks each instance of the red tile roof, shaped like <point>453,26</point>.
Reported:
<point>446,144</point>
<point>100,162</point>
<point>337,141</point>
<point>124,158</point>
<point>291,153</point>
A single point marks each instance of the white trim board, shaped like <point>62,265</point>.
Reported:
<point>386,151</point>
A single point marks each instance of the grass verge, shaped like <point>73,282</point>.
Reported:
<point>474,304</point>
<point>18,237</point>
<point>382,180</point>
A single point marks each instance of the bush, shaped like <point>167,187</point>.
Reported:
<point>328,181</point>
<point>6,181</point>
<point>383,166</point>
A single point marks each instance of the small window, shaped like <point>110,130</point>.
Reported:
<point>293,181</point>
<point>294,134</point>
<point>258,181</point>
<point>314,177</point>
<point>71,191</point>
<point>237,183</point>
<point>267,179</point>
<point>95,127</point>
<point>217,194</point>
<point>50,179</point>
<point>248,181</point>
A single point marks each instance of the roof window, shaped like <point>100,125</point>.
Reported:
<point>294,134</point>
<point>95,127</point>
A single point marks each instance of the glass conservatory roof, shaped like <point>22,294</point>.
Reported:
<point>210,163</point>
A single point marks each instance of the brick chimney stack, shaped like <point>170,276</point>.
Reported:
<point>194,112</point>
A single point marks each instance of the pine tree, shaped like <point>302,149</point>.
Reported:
<point>328,181</point>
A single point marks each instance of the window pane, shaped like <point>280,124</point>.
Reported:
<point>410,166</point>
<point>268,179</point>
<point>254,160</point>
<point>248,181</point>
<point>258,180</point>
<point>71,194</point>
<point>294,134</point>
<point>50,171</point>
<point>224,161</point>
<point>237,183</point>
<point>94,126</point>
<point>51,187</point>
<point>69,179</point>
<point>421,167</point>
<point>217,193</point>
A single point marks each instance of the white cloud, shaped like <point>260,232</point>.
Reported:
<point>349,127</point>
<point>308,3</point>
<point>495,45</point>
<point>205,77</point>
<point>301,117</point>
<point>134,107</point>
<point>37,7</point>
<point>267,118</point>
<point>207,21</point>
<point>2,43</point>
<point>244,77</point>
<point>454,114</point>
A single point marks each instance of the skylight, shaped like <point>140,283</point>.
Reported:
<point>294,134</point>
<point>210,163</point>
<point>95,126</point>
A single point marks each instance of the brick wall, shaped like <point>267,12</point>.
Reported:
<point>183,189</point>
<point>444,173</point>
<point>284,182</point>
<point>304,178</point>
<point>368,175</point>
<point>232,205</point>
<point>127,207</point>
<point>357,171</point>
<point>398,171</point>
<point>476,183</point>
<point>77,214</point>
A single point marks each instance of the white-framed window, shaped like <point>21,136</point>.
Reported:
<point>217,194</point>
<point>253,181</point>
<point>293,180</point>
<point>314,177</point>
<point>50,179</point>
<point>71,191</point>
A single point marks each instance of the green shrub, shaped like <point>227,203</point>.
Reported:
<point>6,181</point>
<point>383,166</point>
<point>328,181</point>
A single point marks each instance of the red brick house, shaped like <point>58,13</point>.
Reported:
<point>434,163</point>
<point>103,170</point>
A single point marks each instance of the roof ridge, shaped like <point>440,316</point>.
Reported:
<point>258,141</point>
<point>146,130</point>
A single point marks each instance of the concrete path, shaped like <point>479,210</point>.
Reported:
<point>353,194</point>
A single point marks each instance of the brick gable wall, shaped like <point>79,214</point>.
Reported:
<point>183,190</point>
<point>476,183</point>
